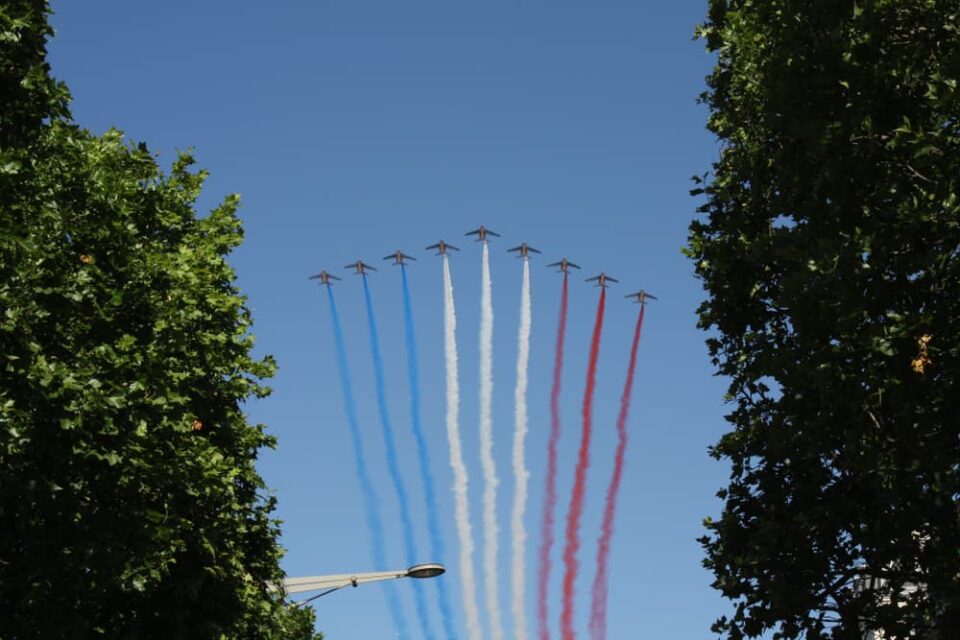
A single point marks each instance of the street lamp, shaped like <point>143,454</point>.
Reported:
<point>329,584</point>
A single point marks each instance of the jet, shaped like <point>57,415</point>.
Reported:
<point>482,233</point>
<point>524,250</point>
<point>642,296</point>
<point>398,257</point>
<point>360,267</point>
<point>442,248</point>
<point>324,278</point>
<point>602,279</point>
<point>564,265</point>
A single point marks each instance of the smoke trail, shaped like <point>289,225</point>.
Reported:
<point>426,475</point>
<point>370,501</point>
<point>550,499</point>
<point>461,504</point>
<point>580,481</point>
<point>519,468</point>
<point>409,542</point>
<point>598,608</point>
<point>490,481</point>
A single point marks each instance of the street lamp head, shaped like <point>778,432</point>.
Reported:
<point>426,570</point>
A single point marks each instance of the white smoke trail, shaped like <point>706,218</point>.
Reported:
<point>490,529</point>
<point>520,472</point>
<point>461,504</point>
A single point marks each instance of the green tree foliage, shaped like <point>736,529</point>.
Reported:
<point>830,250</point>
<point>129,502</point>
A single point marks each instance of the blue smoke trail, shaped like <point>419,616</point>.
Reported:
<point>371,502</point>
<point>392,466</point>
<point>433,522</point>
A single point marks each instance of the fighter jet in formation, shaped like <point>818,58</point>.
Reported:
<point>398,257</point>
<point>641,296</point>
<point>564,265</point>
<point>602,279</point>
<point>442,248</point>
<point>524,249</point>
<point>360,268</point>
<point>482,234</point>
<point>324,278</point>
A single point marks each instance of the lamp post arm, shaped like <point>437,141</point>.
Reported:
<point>329,584</point>
<point>313,583</point>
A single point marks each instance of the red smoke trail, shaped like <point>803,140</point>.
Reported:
<point>580,481</point>
<point>550,500</point>
<point>598,607</point>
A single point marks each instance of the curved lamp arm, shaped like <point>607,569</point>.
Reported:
<point>329,584</point>
<point>314,583</point>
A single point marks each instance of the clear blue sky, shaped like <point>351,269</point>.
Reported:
<point>354,128</point>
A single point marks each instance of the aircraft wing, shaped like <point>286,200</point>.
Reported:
<point>390,257</point>
<point>433,246</point>
<point>406,257</point>
<point>533,250</point>
<point>515,249</point>
<point>594,279</point>
<point>475,232</point>
<point>575,266</point>
<point>609,279</point>
<point>493,233</point>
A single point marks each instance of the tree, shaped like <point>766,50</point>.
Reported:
<point>129,502</point>
<point>828,244</point>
